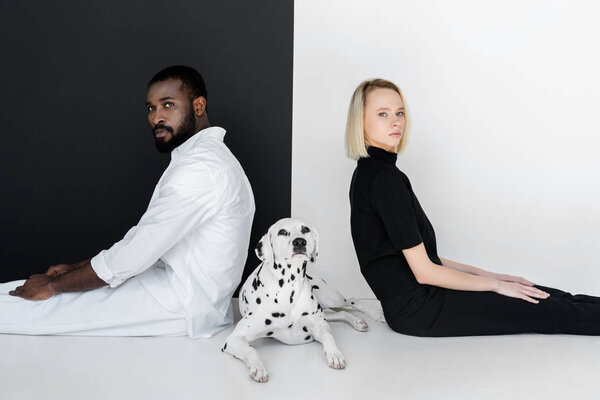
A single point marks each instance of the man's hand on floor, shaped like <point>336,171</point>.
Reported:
<point>37,287</point>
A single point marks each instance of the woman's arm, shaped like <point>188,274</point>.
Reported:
<point>482,272</point>
<point>426,272</point>
<point>465,268</point>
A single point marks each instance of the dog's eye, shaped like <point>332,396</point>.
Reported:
<point>305,229</point>
<point>282,232</point>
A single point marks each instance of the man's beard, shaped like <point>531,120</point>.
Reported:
<point>185,131</point>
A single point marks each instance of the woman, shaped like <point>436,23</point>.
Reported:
<point>421,293</point>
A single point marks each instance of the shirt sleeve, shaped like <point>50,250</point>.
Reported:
<point>392,200</point>
<point>186,198</point>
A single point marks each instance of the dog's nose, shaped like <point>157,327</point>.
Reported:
<point>299,242</point>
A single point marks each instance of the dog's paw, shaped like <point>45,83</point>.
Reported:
<point>335,360</point>
<point>258,373</point>
<point>360,324</point>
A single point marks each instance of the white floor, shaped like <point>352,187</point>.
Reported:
<point>380,364</point>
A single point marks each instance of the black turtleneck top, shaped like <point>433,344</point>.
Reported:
<point>386,218</point>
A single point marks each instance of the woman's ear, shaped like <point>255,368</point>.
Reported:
<point>264,249</point>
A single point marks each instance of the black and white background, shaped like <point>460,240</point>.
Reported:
<point>503,152</point>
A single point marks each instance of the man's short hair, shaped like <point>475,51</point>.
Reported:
<point>191,80</point>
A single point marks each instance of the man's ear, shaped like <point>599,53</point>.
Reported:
<point>264,249</point>
<point>199,106</point>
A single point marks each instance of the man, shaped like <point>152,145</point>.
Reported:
<point>174,272</point>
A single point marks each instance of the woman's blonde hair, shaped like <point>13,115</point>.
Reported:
<point>356,145</point>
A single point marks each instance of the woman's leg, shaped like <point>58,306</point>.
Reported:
<point>578,298</point>
<point>466,313</point>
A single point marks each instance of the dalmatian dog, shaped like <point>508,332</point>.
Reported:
<point>281,300</point>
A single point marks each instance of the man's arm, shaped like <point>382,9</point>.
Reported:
<point>187,199</point>
<point>44,286</point>
<point>62,268</point>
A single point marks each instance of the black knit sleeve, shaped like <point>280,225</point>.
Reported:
<point>392,200</point>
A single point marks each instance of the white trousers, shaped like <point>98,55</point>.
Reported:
<point>127,310</point>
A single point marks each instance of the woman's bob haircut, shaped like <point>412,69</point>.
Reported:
<point>356,145</point>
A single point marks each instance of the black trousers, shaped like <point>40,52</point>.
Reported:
<point>445,312</point>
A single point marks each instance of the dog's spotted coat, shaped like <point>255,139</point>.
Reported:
<point>280,300</point>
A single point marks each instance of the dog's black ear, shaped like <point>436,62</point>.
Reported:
<point>315,252</point>
<point>264,249</point>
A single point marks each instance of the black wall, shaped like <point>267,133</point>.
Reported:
<point>78,161</point>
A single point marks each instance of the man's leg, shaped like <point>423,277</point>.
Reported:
<point>128,310</point>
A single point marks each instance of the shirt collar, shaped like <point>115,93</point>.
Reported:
<point>380,154</point>
<point>212,132</point>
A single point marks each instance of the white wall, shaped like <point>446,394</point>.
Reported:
<point>505,99</point>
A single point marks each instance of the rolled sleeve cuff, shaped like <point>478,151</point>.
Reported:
<point>103,271</point>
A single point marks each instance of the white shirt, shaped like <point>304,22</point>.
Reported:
<point>194,234</point>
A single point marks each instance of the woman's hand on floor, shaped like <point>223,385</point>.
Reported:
<point>521,291</point>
